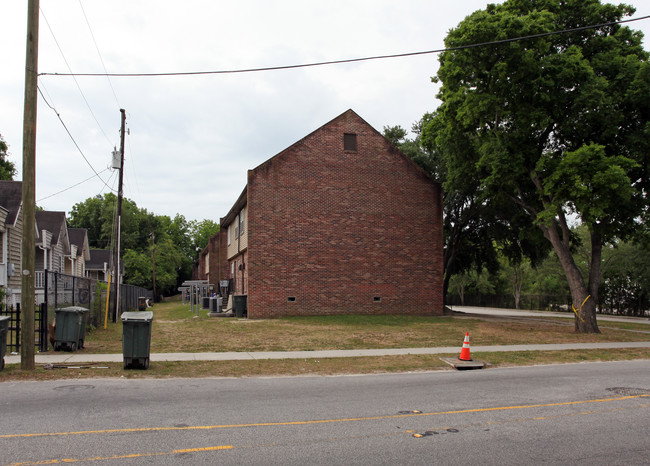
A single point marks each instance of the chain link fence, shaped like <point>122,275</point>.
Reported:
<point>56,290</point>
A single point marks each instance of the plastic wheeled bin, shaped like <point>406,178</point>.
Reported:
<point>70,328</point>
<point>240,305</point>
<point>4,329</point>
<point>136,339</point>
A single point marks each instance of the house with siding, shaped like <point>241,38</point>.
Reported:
<point>79,241</point>
<point>11,234</point>
<point>339,222</point>
<point>53,250</point>
<point>98,266</point>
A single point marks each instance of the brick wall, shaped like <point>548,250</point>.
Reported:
<point>334,231</point>
<point>211,253</point>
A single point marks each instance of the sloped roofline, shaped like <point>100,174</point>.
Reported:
<point>242,200</point>
<point>342,115</point>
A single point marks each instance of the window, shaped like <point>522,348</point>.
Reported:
<point>350,142</point>
<point>228,235</point>
<point>241,222</point>
<point>237,227</point>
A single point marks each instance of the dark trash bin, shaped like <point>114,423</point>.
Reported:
<point>4,330</point>
<point>239,305</point>
<point>70,328</point>
<point>136,339</point>
<point>205,302</point>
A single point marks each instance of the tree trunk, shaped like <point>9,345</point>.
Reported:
<point>584,304</point>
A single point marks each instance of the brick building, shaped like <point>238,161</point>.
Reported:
<point>339,222</point>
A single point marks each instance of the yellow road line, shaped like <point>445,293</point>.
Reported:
<point>320,421</point>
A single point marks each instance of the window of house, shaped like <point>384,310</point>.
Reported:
<point>228,235</point>
<point>241,222</point>
<point>350,142</point>
<point>237,227</point>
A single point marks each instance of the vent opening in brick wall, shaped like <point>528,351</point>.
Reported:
<point>350,142</point>
<point>320,217</point>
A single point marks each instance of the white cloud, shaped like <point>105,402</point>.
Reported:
<point>193,138</point>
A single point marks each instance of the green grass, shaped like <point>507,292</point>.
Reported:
<point>176,329</point>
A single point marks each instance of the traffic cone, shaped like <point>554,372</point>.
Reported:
<point>464,353</point>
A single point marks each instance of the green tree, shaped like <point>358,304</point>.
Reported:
<point>477,226</point>
<point>7,167</point>
<point>626,279</point>
<point>555,125</point>
<point>201,231</point>
<point>143,234</point>
<point>138,266</point>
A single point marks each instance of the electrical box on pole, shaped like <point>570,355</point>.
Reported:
<point>117,159</point>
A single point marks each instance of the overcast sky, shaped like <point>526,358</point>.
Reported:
<point>193,138</point>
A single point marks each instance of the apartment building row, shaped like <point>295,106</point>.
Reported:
<point>339,222</point>
<point>58,248</point>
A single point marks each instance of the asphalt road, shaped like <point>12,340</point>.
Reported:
<point>591,413</point>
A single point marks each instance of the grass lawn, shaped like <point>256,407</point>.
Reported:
<point>176,329</point>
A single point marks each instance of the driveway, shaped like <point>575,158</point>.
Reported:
<point>492,311</point>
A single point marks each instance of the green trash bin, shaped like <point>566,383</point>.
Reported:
<point>70,328</point>
<point>136,339</point>
<point>4,329</point>
<point>240,305</point>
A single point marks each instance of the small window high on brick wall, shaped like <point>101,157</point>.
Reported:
<point>350,142</point>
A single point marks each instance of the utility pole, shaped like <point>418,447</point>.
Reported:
<point>116,253</point>
<point>153,263</point>
<point>27,301</point>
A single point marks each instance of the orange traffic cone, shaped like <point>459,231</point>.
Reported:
<point>464,353</point>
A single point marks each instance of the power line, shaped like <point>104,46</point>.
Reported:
<point>351,60</point>
<point>73,186</point>
<point>71,137</point>
<point>73,75</point>
<point>99,53</point>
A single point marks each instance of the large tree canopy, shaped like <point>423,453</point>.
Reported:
<point>7,167</point>
<point>173,243</point>
<point>555,126</point>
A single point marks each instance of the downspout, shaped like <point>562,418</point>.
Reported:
<point>238,228</point>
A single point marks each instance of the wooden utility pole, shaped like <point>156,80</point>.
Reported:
<point>153,263</point>
<point>27,301</point>
<point>116,253</point>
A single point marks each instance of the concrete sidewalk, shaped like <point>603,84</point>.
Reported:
<point>81,357</point>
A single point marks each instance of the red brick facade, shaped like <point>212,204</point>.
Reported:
<point>334,231</point>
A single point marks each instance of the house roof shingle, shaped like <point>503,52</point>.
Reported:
<point>97,259</point>
<point>50,221</point>
<point>11,198</point>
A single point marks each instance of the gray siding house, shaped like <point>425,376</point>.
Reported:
<point>11,234</point>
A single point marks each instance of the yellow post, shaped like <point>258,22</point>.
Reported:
<point>108,295</point>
